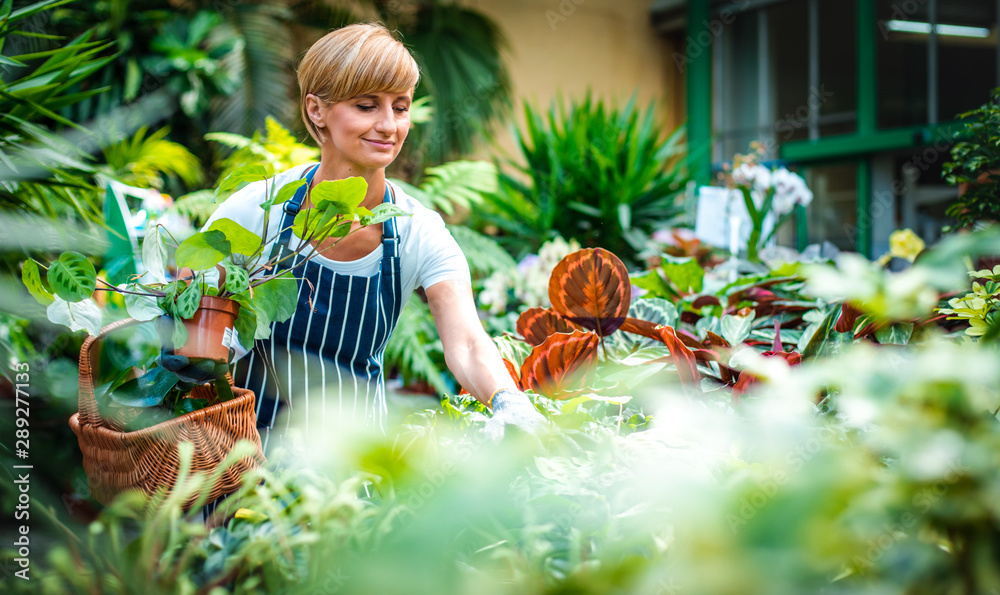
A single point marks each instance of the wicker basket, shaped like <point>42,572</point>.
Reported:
<point>147,459</point>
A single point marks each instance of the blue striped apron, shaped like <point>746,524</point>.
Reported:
<point>327,358</point>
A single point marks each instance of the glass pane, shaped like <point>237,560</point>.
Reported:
<point>902,64</point>
<point>967,62</point>
<point>788,45</point>
<point>738,90</point>
<point>837,95</point>
<point>832,215</point>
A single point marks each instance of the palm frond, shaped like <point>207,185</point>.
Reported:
<point>484,254</point>
<point>459,53</point>
<point>261,62</point>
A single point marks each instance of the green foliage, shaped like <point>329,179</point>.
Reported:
<point>980,307</point>
<point>143,160</point>
<point>459,52</point>
<point>42,171</point>
<point>274,148</point>
<point>601,175</point>
<point>456,185</point>
<point>975,164</point>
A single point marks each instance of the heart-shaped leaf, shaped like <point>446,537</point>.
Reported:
<point>384,212</point>
<point>72,277</point>
<point>560,367</point>
<point>240,175</point>
<point>286,192</point>
<point>341,196</point>
<point>591,288</point>
<point>537,324</point>
<point>275,299</point>
<point>82,315</point>
<point>140,307</point>
<point>203,250</point>
<point>241,240</point>
<point>32,279</point>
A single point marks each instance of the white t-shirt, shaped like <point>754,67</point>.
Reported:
<point>428,253</point>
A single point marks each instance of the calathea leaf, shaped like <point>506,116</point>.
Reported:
<point>591,288</point>
<point>72,277</point>
<point>189,300</point>
<point>684,358</point>
<point>685,274</point>
<point>237,278</point>
<point>655,310</point>
<point>33,281</point>
<point>537,324</point>
<point>561,366</point>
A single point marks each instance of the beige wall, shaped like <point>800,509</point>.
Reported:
<point>570,46</point>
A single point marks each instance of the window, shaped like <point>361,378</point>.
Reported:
<point>786,72</point>
<point>936,59</point>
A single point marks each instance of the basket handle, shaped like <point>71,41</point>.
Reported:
<point>89,354</point>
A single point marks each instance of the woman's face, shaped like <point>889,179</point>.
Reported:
<point>365,132</point>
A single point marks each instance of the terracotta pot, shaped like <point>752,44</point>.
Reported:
<point>207,328</point>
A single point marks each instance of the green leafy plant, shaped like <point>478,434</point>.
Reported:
<point>975,165</point>
<point>601,175</point>
<point>162,390</point>
<point>980,307</point>
<point>71,280</point>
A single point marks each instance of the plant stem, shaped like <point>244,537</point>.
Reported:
<point>111,287</point>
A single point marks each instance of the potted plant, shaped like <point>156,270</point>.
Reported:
<point>975,166</point>
<point>243,297</point>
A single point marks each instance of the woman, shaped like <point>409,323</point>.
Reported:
<point>325,363</point>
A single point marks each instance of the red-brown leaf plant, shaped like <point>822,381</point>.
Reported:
<point>537,324</point>
<point>746,379</point>
<point>591,288</point>
<point>684,358</point>
<point>562,365</point>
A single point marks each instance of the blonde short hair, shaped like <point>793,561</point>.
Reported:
<point>351,61</point>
